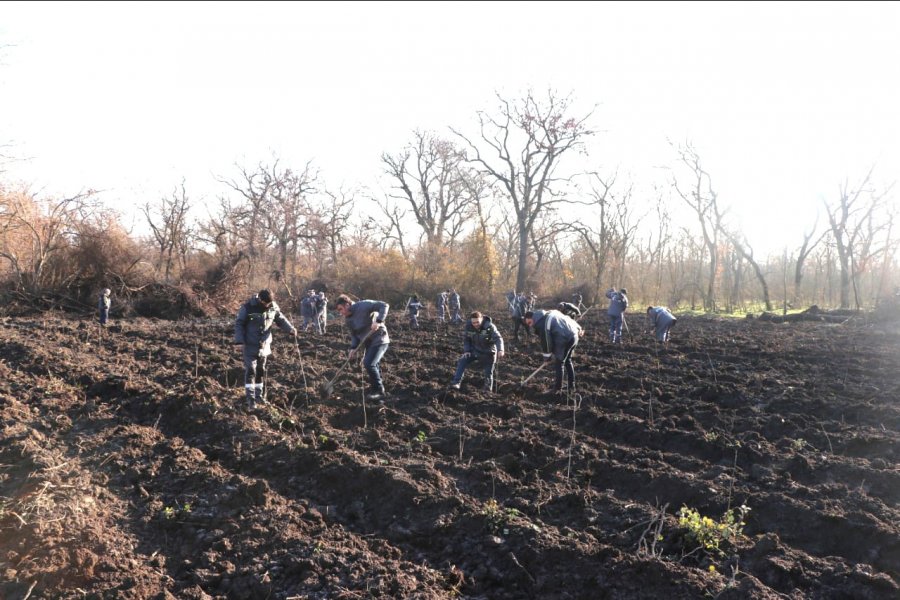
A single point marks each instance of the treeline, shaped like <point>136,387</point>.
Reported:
<point>509,207</point>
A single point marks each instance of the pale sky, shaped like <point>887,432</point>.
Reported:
<point>783,101</point>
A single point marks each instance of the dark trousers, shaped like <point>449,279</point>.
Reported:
<point>487,362</point>
<point>565,363</point>
<point>517,323</point>
<point>254,375</point>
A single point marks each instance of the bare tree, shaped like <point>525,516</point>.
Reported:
<point>330,220</point>
<point>171,231</point>
<point>288,213</point>
<point>745,251</point>
<point>529,138</point>
<point>429,176</point>
<point>810,241</point>
<point>32,232</point>
<point>855,226</point>
<point>703,201</point>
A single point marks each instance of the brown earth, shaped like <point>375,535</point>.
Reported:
<point>129,468</point>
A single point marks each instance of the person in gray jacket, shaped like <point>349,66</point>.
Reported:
<point>453,300</point>
<point>413,306</point>
<point>253,331</point>
<point>618,303</point>
<point>440,306</point>
<point>365,320</point>
<point>661,321</point>
<point>558,335</point>
<point>482,344</point>
<point>103,303</point>
<point>321,312</point>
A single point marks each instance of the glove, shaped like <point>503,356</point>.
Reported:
<point>466,355</point>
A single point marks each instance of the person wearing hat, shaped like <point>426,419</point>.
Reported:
<point>253,331</point>
<point>618,303</point>
<point>103,303</point>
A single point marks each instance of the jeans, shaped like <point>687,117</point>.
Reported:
<point>370,363</point>
<point>487,362</point>
<point>104,315</point>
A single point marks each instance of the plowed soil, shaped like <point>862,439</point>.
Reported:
<point>129,467</point>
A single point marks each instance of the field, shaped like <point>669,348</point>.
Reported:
<point>129,467</point>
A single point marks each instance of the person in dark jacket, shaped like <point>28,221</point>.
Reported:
<point>103,303</point>
<point>577,300</point>
<point>618,303</point>
<point>413,306</point>
<point>517,304</point>
<point>253,331</point>
<point>482,344</point>
<point>308,311</point>
<point>558,335</point>
<point>365,320</point>
<point>661,321</point>
<point>453,301</point>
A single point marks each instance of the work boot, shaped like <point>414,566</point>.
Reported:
<point>376,394</point>
<point>454,386</point>
<point>489,386</point>
<point>251,399</point>
<point>260,395</point>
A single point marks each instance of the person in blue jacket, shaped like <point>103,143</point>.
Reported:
<point>482,344</point>
<point>413,306</point>
<point>558,335</point>
<point>253,331</point>
<point>618,304</point>
<point>661,321</point>
<point>365,320</point>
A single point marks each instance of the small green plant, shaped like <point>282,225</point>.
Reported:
<point>169,513</point>
<point>323,439</point>
<point>420,437</point>
<point>497,517</point>
<point>186,509</point>
<point>798,444</point>
<point>710,436</point>
<point>708,534</point>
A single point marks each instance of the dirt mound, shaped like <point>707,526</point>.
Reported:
<point>128,467</point>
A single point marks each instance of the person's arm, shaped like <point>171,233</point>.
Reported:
<point>498,341</point>
<point>283,323</point>
<point>381,309</point>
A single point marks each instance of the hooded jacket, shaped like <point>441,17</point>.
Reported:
<point>556,331</point>
<point>253,326</point>
<point>484,340</point>
<point>359,321</point>
<point>618,303</point>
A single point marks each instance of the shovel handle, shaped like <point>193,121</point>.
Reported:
<point>346,362</point>
<point>536,371</point>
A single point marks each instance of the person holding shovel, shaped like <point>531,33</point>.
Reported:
<point>253,331</point>
<point>365,320</point>
<point>618,304</point>
<point>558,335</point>
<point>482,344</point>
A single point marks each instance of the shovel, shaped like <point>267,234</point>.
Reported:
<point>536,371</point>
<point>327,388</point>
